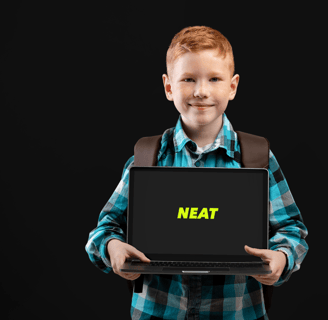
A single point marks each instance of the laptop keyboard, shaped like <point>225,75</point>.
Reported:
<point>197,264</point>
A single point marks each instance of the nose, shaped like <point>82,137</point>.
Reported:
<point>202,90</point>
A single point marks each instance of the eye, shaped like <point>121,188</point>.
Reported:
<point>217,79</point>
<point>185,80</point>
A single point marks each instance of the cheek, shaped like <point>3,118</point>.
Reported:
<point>184,91</point>
<point>180,100</point>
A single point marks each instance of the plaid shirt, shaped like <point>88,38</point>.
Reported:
<point>203,296</point>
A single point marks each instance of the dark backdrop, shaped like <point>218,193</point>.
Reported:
<point>82,82</point>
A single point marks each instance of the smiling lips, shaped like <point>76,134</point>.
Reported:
<point>200,106</point>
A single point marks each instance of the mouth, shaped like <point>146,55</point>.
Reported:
<point>200,106</point>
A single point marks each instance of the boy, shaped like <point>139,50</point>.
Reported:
<point>200,82</point>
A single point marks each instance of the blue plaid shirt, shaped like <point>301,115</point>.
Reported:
<point>203,296</point>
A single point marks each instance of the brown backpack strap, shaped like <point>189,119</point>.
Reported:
<point>145,155</point>
<point>146,151</point>
<point>255,154</point>
<point>254,150</point>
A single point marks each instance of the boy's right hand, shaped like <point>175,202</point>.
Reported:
<point>118,252</point>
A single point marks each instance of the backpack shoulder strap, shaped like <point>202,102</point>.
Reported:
<point>255,154</point>
<point>146,150</point>
<point>254,150</point>
<point>145,155</point>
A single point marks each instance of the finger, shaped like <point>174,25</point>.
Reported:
<point>256,277</point>
<point>130,276</point>
<point>134,252</point>
<point>138,254</point>
<point>254,251</point>
<point>136,276</point>
<point>265,279</point>
<point>268,282</point>
<point>260,278</point>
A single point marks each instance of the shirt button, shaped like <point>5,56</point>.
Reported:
<point>197,164</point>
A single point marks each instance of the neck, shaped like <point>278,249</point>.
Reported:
<point>202,134</point>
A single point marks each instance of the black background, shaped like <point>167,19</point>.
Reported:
<point>81,82</point>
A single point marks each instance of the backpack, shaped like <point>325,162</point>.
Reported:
<point>254,154</point>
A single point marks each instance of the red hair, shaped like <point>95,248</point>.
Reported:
<point>195,39</point>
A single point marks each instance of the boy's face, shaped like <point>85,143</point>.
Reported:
<point>201,88</point>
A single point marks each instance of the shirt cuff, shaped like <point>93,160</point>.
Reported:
<point>288,267</point>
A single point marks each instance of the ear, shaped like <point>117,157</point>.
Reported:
<point>167,87</point>
<point>233,86</point>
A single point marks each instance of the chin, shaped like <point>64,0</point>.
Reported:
<point>200,120</point>
<point>205,120</point>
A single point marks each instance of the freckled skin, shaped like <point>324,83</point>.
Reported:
<point>201,78</point>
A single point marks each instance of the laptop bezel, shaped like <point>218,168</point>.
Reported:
<point>196,257</point>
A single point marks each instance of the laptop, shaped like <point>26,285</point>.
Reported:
<point>196,221</point>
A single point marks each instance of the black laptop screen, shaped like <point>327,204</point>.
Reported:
<point>197,211</point>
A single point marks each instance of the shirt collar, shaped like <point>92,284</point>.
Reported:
<point>226,138</point>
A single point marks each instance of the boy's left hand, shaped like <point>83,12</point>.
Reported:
<point>276,259</point>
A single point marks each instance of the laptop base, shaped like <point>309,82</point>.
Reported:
<point>147,269</point>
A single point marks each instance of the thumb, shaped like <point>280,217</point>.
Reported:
<point>254,251</point>
<point>138,254</point>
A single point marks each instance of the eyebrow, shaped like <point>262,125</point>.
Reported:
<point>212,74</point>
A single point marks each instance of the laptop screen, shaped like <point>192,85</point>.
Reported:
<point>197,212</point>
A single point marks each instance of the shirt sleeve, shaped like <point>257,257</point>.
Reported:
<point>111,223</point>
<point>287,228</point>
